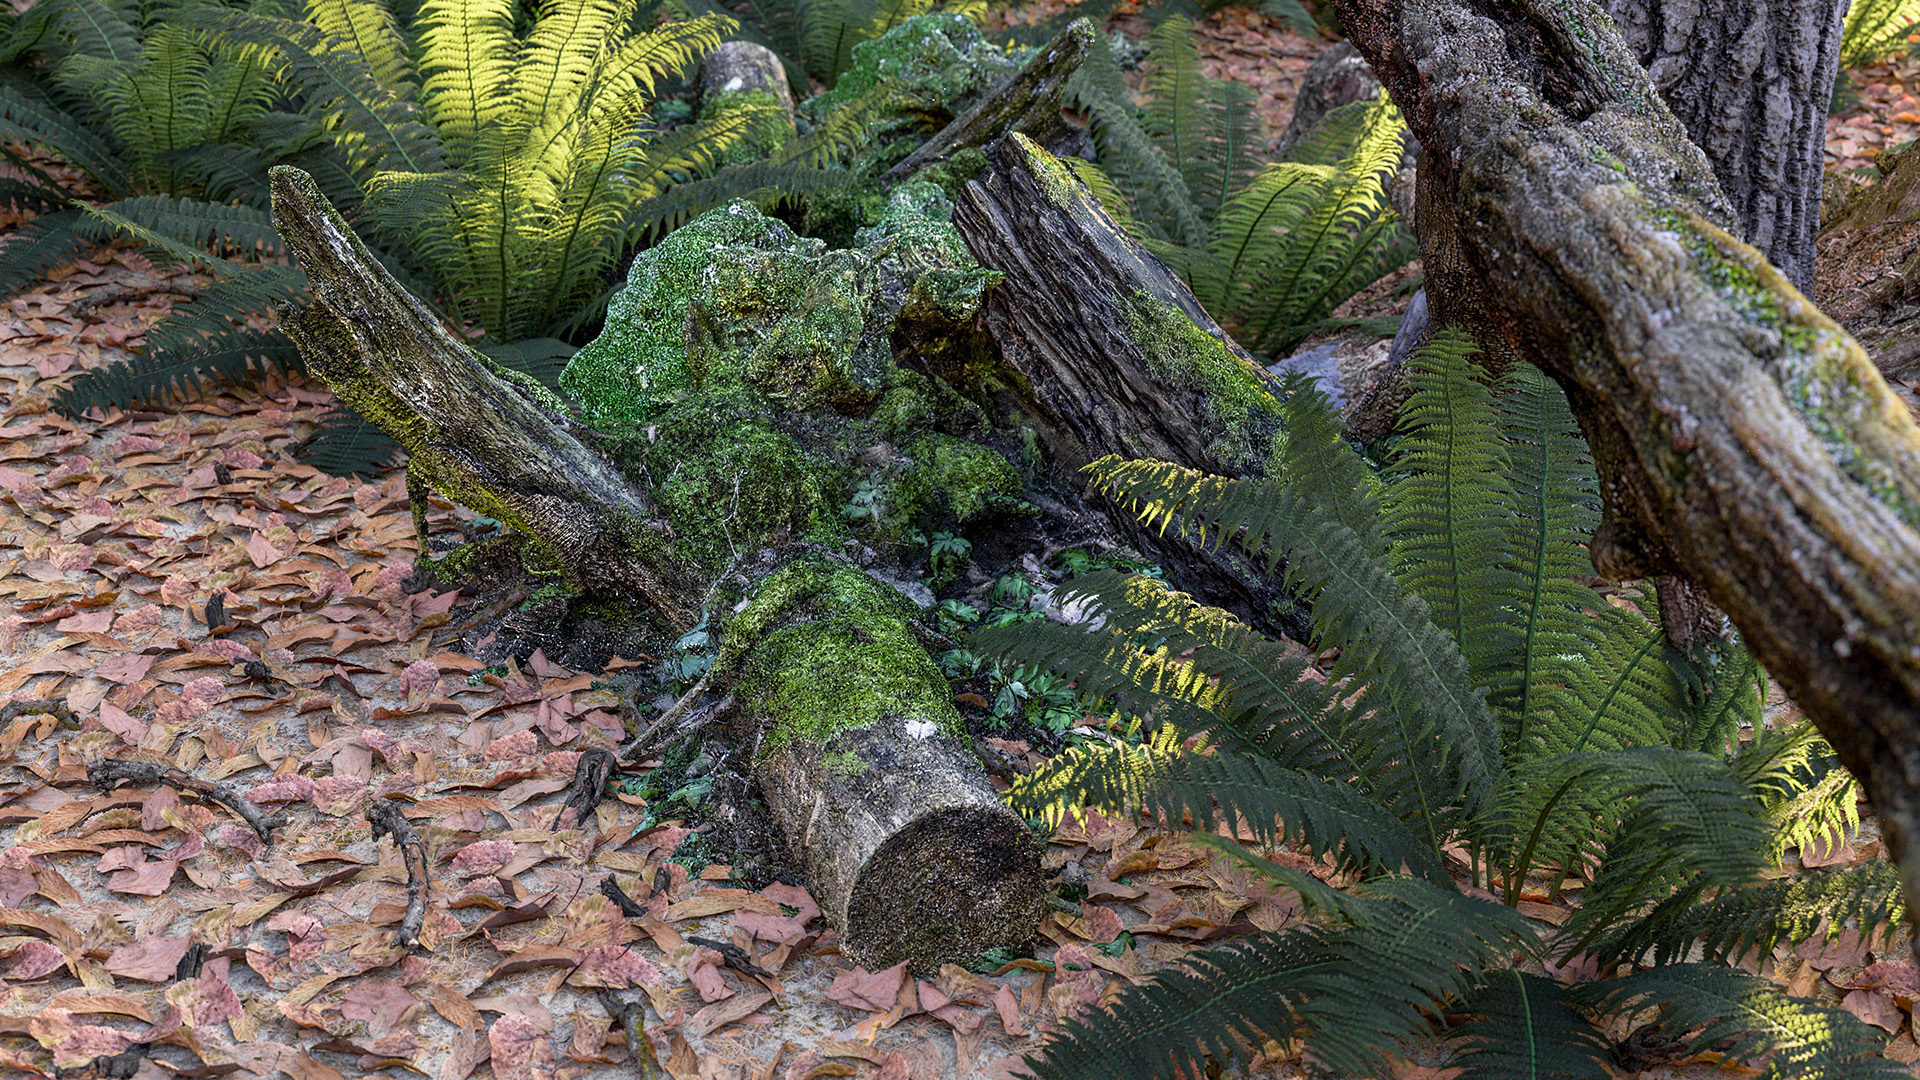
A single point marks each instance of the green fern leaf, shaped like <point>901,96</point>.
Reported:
<point>160,376</point>
<point>1701,1005</point>
<point>1525,1027</point>
<point>347,444</point>
<point>42,244</point>
<point>369,28</point>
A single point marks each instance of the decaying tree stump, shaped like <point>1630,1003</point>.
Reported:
<point>827,689</point>
<point>1118,357</point>
<point>1743,438</point>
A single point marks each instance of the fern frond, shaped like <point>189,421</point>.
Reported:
<point>347,444</point>
<point>1322,816</point>
<point>1352,992</point>
<point>1444,513</point>
<point>1207,127</point>
<point>542,358</point>
<point>224,173</point>
<point>376,128</point>
<point>1874,28</point>
<point>29,117</point>
<point>1550,500</point>
<point>1384,632</point>
<point>369,28</point>
<point>86,27</point>
<point>1685,816</point>
<point>467,58</point>
<point>844,131</point>
<point>1721,689</point>
<point>1153,184</point>
<point>207,228</point>
<point>1525,1027</point>
<point>159,376</point>
<point>1113,201</point>
<point>42,244</point>
<point>1753,921</point>
<point>228,302</point>
<point>682,202</point>
<point>1809,797</point>
<point>1700,1005</point>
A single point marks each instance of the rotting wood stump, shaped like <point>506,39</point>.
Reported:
<point>823,685</point>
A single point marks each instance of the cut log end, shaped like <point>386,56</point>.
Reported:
<point>948,887</point>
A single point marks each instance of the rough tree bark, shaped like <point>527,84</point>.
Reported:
<point>1743,439</point>
<point>1118,357</point>
<point>907,847</point>
<point>1749,80</point>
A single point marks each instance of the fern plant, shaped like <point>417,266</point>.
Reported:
<point>815,38</point>
<point>1483,702</point>
<point>500,165</point>
<point>1269,248</point>
<point>1874,28</point>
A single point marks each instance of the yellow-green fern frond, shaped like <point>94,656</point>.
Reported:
<point>1875,28</point>
<point>467,57</point>
<point>369,28</point>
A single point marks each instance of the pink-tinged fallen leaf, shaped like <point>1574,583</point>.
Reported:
<point>306,935</point>
<point>88,1041</point>
<point>237,458</point>
<point>289,788</point>
<point>1099,925</point>
<point>153,812</point>
<point>126,668</point>
<point>153,959</point>
<point>1077,983</point>
<point>1829,850</point>
<point>482,856</point>
<point>1876,1007</point>
<point>615,967</point>
<point>15,886</point>
<point>519,1048</point>
<point>958,1017</point>
<point>419,681</point>
<point>30,960</point>
<point>207,998</point>
<point>337,794</point>
<point>873,991</point>
<point>91,622</point>
<point>714,1017</point>
<point>802,1067</point>
<point>382,1003</point>
<point>703,971</point>
<point>139,620</point>
<point>148,877</point>
<point>1894,976</point>
<point>116,720</point>
<point>893,1066</point>
<point>520,744</point>
<point>1008,1006</point>
<point>385,745</point>
<point>262,551</point>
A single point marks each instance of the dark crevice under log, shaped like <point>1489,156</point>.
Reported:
<point>1744,440</point>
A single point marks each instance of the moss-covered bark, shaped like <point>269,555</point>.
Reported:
<point>733,408</point>
<point>1743,438</point>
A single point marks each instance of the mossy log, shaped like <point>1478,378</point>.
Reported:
<point>1029,102</point>
<point>1117,356</point>
<point>1744,440</point>
<point>848,723</point>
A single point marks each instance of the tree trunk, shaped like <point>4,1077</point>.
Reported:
<point>1119,358</point>
<point>1743,439</point>
<point>849,723</point>
<point>1750,81</point>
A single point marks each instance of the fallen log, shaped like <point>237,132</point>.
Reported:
<point>1744,440</point>
<point>845,720</point>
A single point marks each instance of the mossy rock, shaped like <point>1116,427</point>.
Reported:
<point>736,299</point>
<point>958,481</point>
<point>939,65</point>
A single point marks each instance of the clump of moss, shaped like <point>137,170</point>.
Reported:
<point>1232,392</point>
<point>831,651</point>
<point>938,65</point>
<point>958,480</point>
<point>769,126</point>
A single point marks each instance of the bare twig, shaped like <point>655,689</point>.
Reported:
<point>679,721</point>
<point>40,707</point>
<point>737,958</point>
<point>109,773</point>
<point>387,820</point>
<point>589,786</point>
<point>631,1017</point>
<point>629,907</point>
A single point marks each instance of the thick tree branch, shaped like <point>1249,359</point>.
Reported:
<point>1743,438</point>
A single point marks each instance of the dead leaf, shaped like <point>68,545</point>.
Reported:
<point>152,960</point>
<point>875,991</point>
<point>718,1015</point>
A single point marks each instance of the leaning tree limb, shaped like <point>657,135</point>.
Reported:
<point>1744,440</point>
<point>480,438</point>
<point>1029,102</point>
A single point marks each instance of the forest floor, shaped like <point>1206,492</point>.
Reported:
<point>139,923</point>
